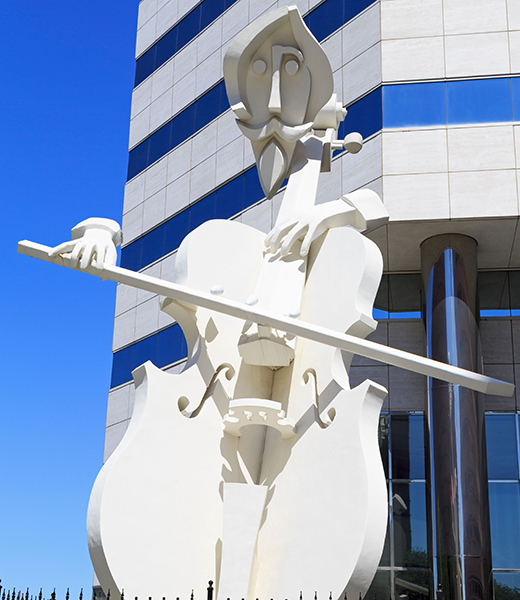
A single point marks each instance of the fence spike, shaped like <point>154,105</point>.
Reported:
<point>210,590</point>
<point>123,594</point>
<point>67,595</point>
<point>40,595</point>
<point>108,595</point>
<point>192,595</point>
<point>330,596</point>
<point>315,595</point>
<point>301,595</point>
<point>81,594</point>
<point>27,594</point>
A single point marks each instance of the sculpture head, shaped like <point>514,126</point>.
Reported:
<point>277,78</point>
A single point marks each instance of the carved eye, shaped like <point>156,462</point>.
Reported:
<point>292,67</point>
<point>259,67</point>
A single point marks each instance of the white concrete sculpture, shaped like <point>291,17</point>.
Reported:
<point>257,466</point>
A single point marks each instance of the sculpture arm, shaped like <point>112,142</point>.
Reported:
<point>362,210</point>
<point>93,242</point>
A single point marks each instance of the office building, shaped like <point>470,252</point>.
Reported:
<point>434,88</point>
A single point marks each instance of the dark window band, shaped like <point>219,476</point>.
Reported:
<point>179,36</point>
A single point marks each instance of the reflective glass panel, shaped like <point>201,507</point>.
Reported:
<point>515,92</point>
<point>171,346</point>
<point>407,435</point>
<point>380,586</point>
<point>145,350</point>
<point>493,290</point>
<point>504,504</point>
<point>153,246</point>
<point>230,198</point>
<point>175,230</point>
<point>252,189</point>
<point>507,586</point>
<point>325,18</point>
<point>383,441</point>
<point>412,585</point>
<point>409,515</point>
<point>131,255</point>
<point>479,101</point>
<point>364,116</point>
<point>122,366</point>
<point>414,105</point>
<point>502,453</point>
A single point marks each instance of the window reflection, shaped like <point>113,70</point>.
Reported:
<point>380,586</point>
<point>408,447</point>
<point>507,586</point>
<point>501,446</point>
<point>410,532</point>
<point>504,504</point>
<point>412,585</point>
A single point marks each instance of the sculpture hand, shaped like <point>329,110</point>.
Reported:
<point>93,243</point>
<point>308,226</point>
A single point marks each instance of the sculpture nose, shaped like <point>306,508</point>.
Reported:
<point>275,100</point>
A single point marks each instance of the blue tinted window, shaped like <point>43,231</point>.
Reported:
<point>159,143</point>
<point>138,159</point>
<point>364,116</point>
<point>145,65</point>
<point>207,106</point>
<point>145,350</point>
<point>162,348</point>
<point>189,27</point>
<point>175,230</point>
<point>325,18</point>
<point>507,585</point>
<point>210,10</point>
<point>122,366</point>
<point>479,101</point>
<point>171,346</point>
<point>504,503</point>
<point>153,246</point>
<point>409,512</point>
<point>414,105</point>
<point>252,189</point>
<point>515,93</point>
<point>131,255</point>
<point>230,198</point>
<point>501,444</point>
<point>166,47</point>
<point>407,436</point>
<point>353,8</point>
<point>202,211</point>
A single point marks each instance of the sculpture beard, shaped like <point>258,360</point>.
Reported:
<point>273,144</point>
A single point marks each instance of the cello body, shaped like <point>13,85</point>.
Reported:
<point>156,520</point>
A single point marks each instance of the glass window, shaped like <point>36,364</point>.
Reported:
<point>202,211</point>
<point>383,441</point>
<point>414,105</point>
<point>210,10</point>
<point>380,586</point>
<point>182,125</point>
<point>493,290</point>
<point>364,116</point>
<point>407,434</point>
<point>514,291</point>
<point>253,192</point>
<point>325,18</point>
<point>479,101</point>
<point>189,27</point>
<point>409,515</point>
<point>131,255</point>
<point>507,586</point>
<point>122,366</point>
<point>160,143</point>
<point>144,65</point>
<point>166,47</point>
<point>207,106</point>
<point>175,230</point>
<point>145,350</point>
<point>230,198</point>
<point>412,585</point>
<point>504,503</point>
<point>171,346</point>
<point>138,159</point>
<point>502,454</point>
<point>153,246</point>
<point>515,93</point>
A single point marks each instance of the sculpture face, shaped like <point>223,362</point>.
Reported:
<point>277,78</point>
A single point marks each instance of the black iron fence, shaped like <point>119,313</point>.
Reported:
<point>14,594</point>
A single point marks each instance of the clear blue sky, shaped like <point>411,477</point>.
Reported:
<point>67,74</point>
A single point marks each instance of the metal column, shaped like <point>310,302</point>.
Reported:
<point>458,469</point>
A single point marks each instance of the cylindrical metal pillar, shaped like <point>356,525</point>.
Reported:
<point>457,444</point>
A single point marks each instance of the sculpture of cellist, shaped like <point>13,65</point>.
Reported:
<point>257,466</point>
